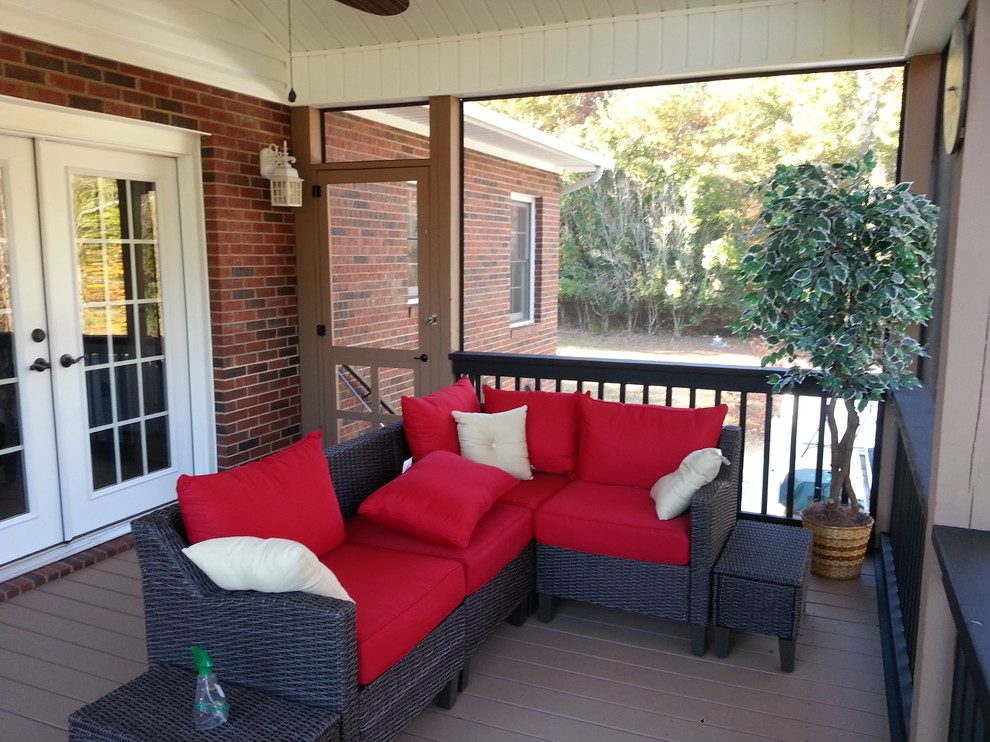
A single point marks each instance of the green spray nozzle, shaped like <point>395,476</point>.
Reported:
<point>204,664</point>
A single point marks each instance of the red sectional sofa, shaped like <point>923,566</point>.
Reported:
<point>428,562</point>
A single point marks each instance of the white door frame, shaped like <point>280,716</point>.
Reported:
<point>47,122</point>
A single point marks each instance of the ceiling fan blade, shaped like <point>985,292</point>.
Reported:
<point>378,7</point>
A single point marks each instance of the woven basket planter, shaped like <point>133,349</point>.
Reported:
<point>837,552</point>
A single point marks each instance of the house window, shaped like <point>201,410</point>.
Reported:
<point>522,261</point>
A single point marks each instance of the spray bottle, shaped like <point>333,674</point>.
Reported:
<point>211,707</point>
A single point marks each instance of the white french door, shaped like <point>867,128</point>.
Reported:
<point>95,408</point>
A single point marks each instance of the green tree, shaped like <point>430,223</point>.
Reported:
<point>691,150</point>
<point>838,275</point>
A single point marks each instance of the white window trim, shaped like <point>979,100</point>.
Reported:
<point>43,120</point>
<point>532,201</point>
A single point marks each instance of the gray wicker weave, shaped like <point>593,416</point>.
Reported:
<point>761,584</point>
<point>680,593</point>
<point>157,707</point>
<point>303,647</point>
<point>295,646</point>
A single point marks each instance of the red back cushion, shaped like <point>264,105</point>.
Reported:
<point>440,499</point>
<point>636,444</point>
<point>287,495</point>
<point>428,424</point>
<point>551,425</point>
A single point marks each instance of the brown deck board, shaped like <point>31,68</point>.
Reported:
<point>590,675</point>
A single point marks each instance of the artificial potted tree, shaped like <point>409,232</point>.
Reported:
<point>838,274</point>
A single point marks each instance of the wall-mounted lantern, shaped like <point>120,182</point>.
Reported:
<point>276,165</point>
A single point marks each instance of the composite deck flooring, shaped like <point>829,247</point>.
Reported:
<point>591,675</point>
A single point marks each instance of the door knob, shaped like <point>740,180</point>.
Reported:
<point>66,360</point>
<point>40,364</point>
<point>421,357</point>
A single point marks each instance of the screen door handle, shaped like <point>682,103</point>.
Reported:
<point>421,357</point>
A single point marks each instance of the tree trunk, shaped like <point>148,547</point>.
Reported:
<point>842,452</point>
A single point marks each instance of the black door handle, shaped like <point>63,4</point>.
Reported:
<point>421,357</point>
<point>40,364</point>
<point>66,360</point>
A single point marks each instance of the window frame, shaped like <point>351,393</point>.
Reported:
<point>528,314</point>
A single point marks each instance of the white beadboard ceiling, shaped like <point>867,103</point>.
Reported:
<point>473,48</point>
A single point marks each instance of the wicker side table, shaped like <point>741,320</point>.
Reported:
<point>157,707</point>
<point>760,585</point>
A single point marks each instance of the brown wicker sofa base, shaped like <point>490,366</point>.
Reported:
<point>761,585</point>
<point>675,592</point>
<point>295,646</point>
<point>302,648</point>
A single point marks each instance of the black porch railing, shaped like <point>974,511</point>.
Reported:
<point>784,436</point>
<point>963,557</point>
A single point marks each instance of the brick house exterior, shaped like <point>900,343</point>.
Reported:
<point>489,183</point>
<point>250,244</point>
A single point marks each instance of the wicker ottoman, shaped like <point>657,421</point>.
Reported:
<point>157,707</point>
<point>760,585</point>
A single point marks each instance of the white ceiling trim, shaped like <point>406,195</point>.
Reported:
<point>500,136</point>
<point>749,38</point>
<point>479,48</point>
<point>214,43</point>
<point>931,25</point>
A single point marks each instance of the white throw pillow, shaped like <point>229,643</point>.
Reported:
<point>272,565</point>
<point>673,492</point>
<point>497,439</point>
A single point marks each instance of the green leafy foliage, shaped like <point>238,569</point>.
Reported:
<point>838,273</point>
<point>686,152</point>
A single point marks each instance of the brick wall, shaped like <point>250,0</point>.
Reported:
<point>250,253</point>
<point>488,185</point>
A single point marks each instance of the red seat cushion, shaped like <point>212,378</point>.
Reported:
<point>531,493</point>
<point>439,499</point>
<point>636,444</point>
<point>612,521</point>
<point>427,421</point>
<point>399,599</point>
<point>286,495</point>
<point>551,425</point>
<point>501,534</point>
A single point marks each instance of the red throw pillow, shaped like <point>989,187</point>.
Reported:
<point>439,499</point>
<point>551,425</point>
<point>286,495</point>
<point>636,444</point>
<point>428,424</point>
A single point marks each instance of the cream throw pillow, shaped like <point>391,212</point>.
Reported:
<point>497,439</point>
<point>272,565</point>
<point>673,492</point>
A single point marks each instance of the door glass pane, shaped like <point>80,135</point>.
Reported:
<point>372,265</point>
<point>123,337</point>
<point>13,498</point>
